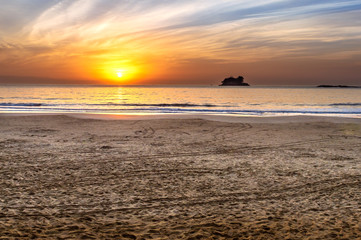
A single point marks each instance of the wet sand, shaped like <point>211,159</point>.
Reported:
<point>293,178</point>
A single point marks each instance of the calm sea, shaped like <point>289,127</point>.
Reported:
<point>242,101</point>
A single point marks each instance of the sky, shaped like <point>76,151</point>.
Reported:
<point>268,42</point>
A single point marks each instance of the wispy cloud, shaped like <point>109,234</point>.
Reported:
<point>116,20</point>
<point>220,30</point>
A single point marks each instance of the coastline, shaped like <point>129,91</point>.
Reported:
<point>211,117</point>
<point>253,178</point>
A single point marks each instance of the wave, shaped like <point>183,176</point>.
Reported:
<point>250,111</point>
<point>175,108</point>
<point>345,104</point>
<point>112,104</point>
<point>22,104</point>
<point>180,111</point>
<point>157,105</point>
<point>166,105</point>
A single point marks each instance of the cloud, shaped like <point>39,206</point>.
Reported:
<point>16,14</point>
<point>171,32</point>
<point>280,10</point>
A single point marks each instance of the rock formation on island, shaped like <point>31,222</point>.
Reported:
<point>231,81</point>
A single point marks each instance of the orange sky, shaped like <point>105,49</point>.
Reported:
<point>180,42</point>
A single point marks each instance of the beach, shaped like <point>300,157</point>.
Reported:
<point>75,177</point>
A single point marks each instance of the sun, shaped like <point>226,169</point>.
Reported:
<point>113,74</point>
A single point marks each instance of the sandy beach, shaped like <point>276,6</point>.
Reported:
<point>65,177</point>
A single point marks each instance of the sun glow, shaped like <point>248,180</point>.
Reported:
<point>126,74</point>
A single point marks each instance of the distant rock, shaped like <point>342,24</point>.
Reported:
<point>231,81</point>
<point>337,86</point>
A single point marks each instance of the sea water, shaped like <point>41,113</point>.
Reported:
<point>240,101</point>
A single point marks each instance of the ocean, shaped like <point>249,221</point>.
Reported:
<point>215,100</point>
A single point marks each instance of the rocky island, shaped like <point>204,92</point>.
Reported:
<point>231,81</point>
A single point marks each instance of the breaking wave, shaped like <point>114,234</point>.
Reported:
<point>22,104</point>
<point>345,104</point>
<point>113,104</point>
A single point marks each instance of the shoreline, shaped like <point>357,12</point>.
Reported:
<point>220,118</point>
